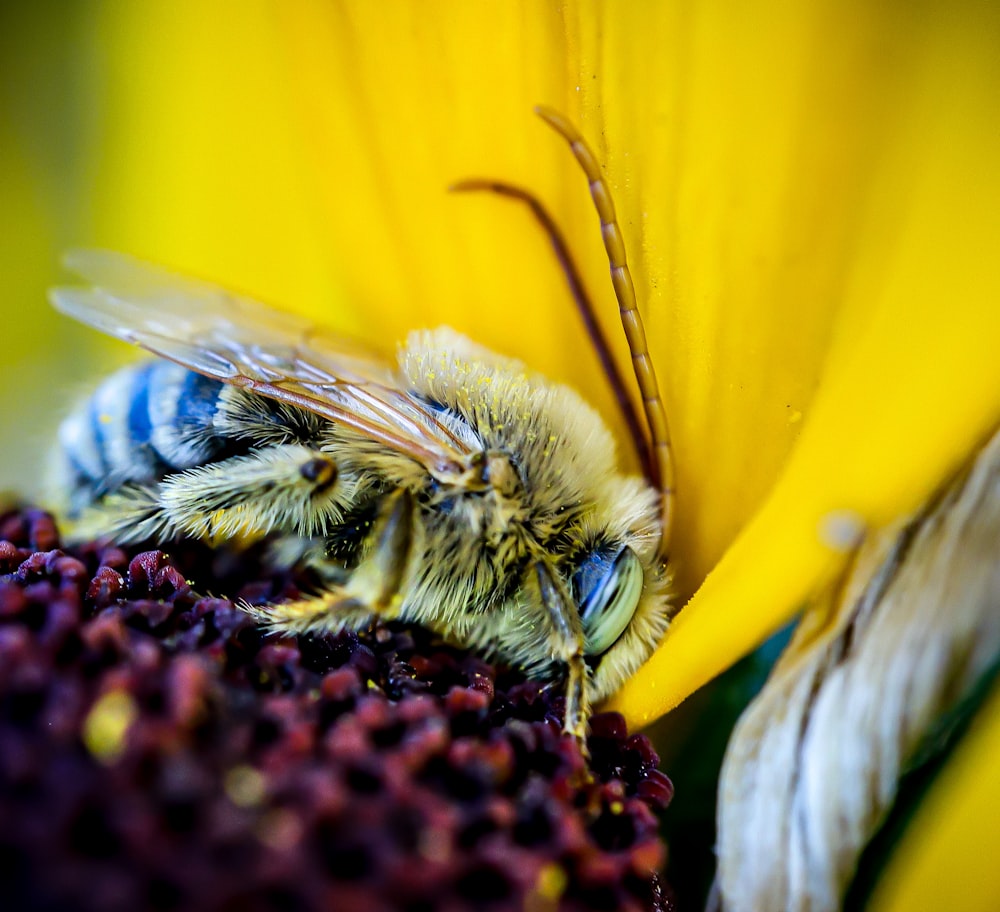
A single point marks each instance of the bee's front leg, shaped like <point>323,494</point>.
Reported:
<point>373,588</point>
<point>565,635</point>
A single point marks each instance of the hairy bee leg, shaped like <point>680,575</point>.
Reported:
<point>566,636</point>
<point>131,514</point>
<point>378,579</point>
<point>286,551</point>
<point>371,591</point>
<point>279,487</point>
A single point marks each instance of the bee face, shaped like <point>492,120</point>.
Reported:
<point>454,489</point>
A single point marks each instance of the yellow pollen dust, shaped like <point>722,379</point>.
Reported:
<point>244,786</point>
<point>548,890</point>
<point>107,725</point>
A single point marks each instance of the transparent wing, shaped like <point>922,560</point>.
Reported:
<point>240,341</point>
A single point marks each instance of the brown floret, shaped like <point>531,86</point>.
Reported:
<point>158,751</point>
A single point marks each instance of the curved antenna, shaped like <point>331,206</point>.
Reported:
<point>621,278</point>
<point>584,305</point>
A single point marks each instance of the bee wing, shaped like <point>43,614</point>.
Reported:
<point>240,341</point>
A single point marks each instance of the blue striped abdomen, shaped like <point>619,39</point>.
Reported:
<point>141,423</point>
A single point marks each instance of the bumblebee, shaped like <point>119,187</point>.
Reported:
<point>454,489</point>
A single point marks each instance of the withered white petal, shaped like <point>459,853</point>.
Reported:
<point>814,764</point>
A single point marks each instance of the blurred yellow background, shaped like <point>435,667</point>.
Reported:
<point>43,127</point>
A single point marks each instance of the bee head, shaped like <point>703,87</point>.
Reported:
<point>617,581</point>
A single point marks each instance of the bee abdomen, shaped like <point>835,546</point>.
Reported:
<point>142,423</point>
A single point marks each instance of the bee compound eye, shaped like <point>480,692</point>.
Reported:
<point>608,591</point>
<point>322,471</point>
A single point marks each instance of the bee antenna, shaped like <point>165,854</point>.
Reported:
<point>584,305</point>
<point>621,278</point>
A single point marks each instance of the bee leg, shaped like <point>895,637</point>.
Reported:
<point>131,514</point>
<point>378,580</point>
<point>286,487</point>
<point>372,590</point>
<point>577,713</point>
<point>286,551</point>
<point>282,486</point>
<point>566,645</point>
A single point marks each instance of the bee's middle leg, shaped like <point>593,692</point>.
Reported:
<point>372,590</point>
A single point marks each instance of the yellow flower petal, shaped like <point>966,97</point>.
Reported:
<point>946,857</point>
<point>740,217</point>
<point>911,382</point>
<point>198,164</point>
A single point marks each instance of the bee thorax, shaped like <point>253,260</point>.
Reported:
<point>503,479</point>
<point>490,507</point>
<point>507,494</point>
